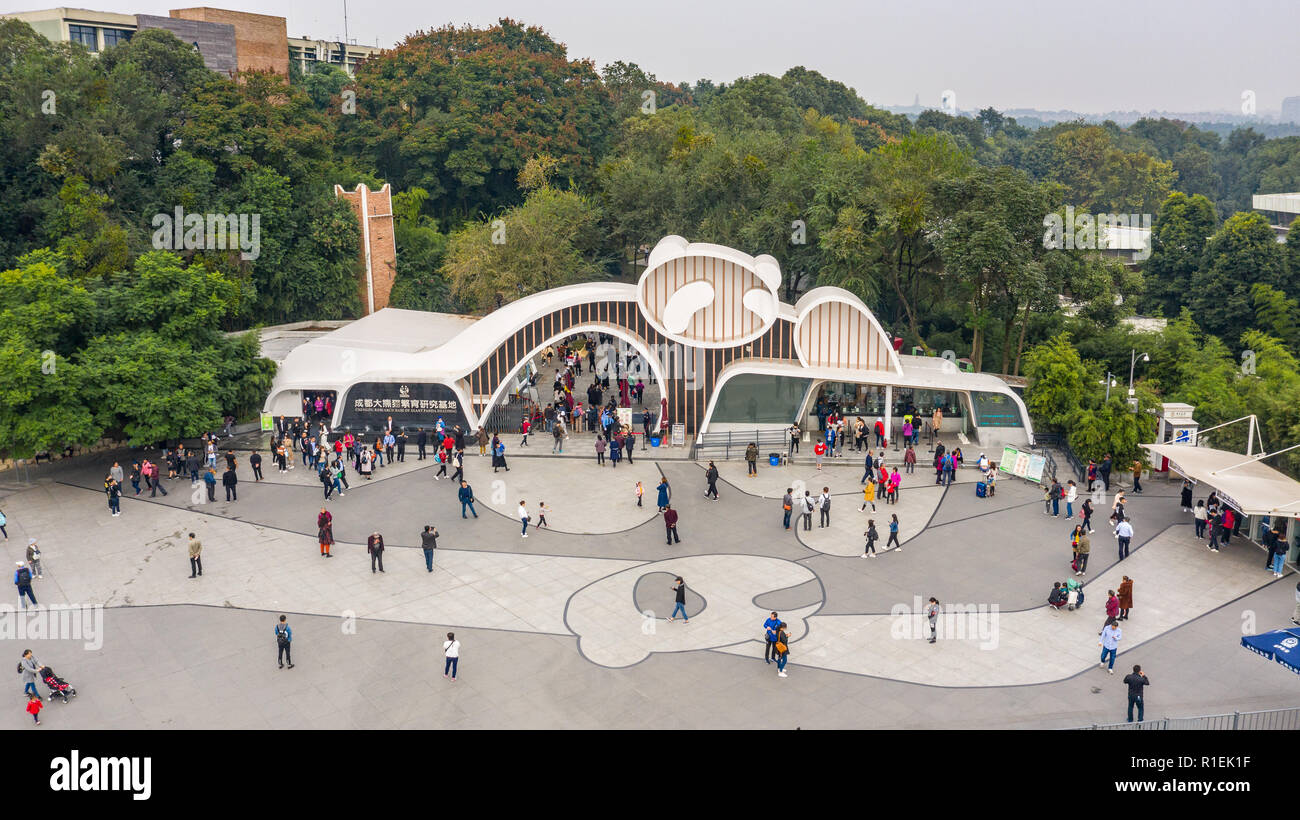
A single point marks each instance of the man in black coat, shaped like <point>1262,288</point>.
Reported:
<point>229,480</point>
<point>375,546</point>
<point>711,475</point>
<point>401,445</point>
<point>1105,471</point>
<point>421,439</point>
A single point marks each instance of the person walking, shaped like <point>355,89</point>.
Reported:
<point>522,514</point>
<point>640,491</point>
<point>375,546</point>
<point>210,482</point>
<point>664,492</point>
<point>782,646</point>
<point>824,504</point>
<point>751,458</point>
<point>932,614</point>
<point>1125,596</point>
<point>1124,533</point>
<point>255,461</point>
<point>325,532</point>
<point>1112,604</point>
<point>428,543</point>
<point>1082,548</point>
<point>1137,476</point>
<point>670,525</point>
<point>30,668</point>
<point>893,534</point>
<point>1136,683</point>
<point>557,433</point>
<point>1056,492</point>
<point>1087,514</point>
<point>869,551</point>
<point>326,477</point>
<point>808,505</point>
<point>1111,635</point>
<point>466,497</point>
<point>600,450</point>
<point>868,496</point>
<point>1071,496</point>
<point>196,556</point>
<point>499,456</point>
<point>770,627</point>
<point>482,438</point>
<point>283,642</point>
<point>711,476</point>
<point>451,652</point>
<point>442,459</point>
<point>679,591</point>
<point>458,459</point>
<point>34,707</point>
<point>3,521</point>
<point>542,510</point>
<point>787,506</point>
<point>154,484</point>
<point>23,581</point>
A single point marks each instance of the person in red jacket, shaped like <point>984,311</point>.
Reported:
<point>670,522</point>
<point>325,527</point>
<point>34,705</point>
<point>819,450</point>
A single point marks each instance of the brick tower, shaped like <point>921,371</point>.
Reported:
<point>374,210</point>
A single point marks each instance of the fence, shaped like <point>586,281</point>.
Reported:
<point>768,441</point>
<point>1268,720</point>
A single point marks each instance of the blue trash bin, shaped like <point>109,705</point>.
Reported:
<point>773,459</point>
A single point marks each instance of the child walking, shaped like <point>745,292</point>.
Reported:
<point>640,491</point>
<point>542,510</point>
<point>34,705</point>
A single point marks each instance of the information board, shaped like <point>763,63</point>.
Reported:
<point>1022,464</point>
<point>679,435</point>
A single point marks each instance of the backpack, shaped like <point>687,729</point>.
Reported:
<point>282,636</point>
<point>24,577</point>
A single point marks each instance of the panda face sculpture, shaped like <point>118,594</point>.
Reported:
<point>707,295</point>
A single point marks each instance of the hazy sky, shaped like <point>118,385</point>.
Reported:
<point>1174,55</point>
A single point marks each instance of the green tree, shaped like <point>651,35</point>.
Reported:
<point>1177,244</point>
<point>1241,253</point>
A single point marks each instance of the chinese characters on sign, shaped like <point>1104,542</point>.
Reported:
<point>369,405</point>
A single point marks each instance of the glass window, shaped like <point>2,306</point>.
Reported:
<point>756,398</point>
<point>113,36</point>
<point>995,410</point>
<point>84,35</point>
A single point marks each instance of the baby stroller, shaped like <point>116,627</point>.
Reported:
<point>58,686</point>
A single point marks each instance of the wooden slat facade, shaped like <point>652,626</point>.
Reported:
<point>687,392</point>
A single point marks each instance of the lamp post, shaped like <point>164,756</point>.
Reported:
<point>1110,382</point>
<point>1132,362</point>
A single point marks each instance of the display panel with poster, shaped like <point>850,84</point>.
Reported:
<point>367,406</point>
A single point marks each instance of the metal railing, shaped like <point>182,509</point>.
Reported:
<point>1267,720</point>
<point>729,441</point>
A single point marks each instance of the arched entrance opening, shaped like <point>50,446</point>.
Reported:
<point>644,355</point>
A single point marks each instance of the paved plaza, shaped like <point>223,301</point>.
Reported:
<point>567,628</point>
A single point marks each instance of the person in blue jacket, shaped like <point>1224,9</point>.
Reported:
<point>664,492</point>
<point>769,629</point>
<point>466,496</point>
<point>283,638</point>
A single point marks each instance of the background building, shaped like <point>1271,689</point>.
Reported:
<point>229,40</point>
<point>1281,210</point>
<point>374,210</point>
<point>306,52</point>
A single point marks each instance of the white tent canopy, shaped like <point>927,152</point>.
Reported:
<point>1253,487</point>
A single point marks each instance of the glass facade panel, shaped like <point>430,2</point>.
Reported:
<point>85,35</point>
<point>995,410</point>
<point>757,398</point>
<point>113,36</point>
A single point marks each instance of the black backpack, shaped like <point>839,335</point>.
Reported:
<point>24,576</point>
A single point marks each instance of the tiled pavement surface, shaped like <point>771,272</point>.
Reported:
<point>181,653</point>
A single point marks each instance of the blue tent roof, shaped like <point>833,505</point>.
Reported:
<point>1281,645</point>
